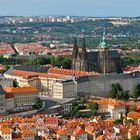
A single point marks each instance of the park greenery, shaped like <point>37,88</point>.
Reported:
<point>38,104</point>
<point>123,121</point>
<point>135,137</point>
<point>136,92</point>
<point>131,60</point>
<point>61,61</point>
<point>82,108</point>
<point>133,108</point>
<point>15,83</point>
<point>117,92</point>
<point>129,121</point>
<point>93,106</point>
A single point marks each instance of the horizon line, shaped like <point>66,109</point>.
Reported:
<point>69,16</point>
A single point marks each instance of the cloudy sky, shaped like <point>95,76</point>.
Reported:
<point>70,7</point>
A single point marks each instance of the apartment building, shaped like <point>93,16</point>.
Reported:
<point>2,100</point>
<point>5,82</point>
<point>6,134</point>
<point>23,96</point>
<point>115,107</point>
<point>65,89</point>
<point>9,101</point>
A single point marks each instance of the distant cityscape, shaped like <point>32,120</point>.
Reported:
<point>65,19</point>
<point>69,78</point>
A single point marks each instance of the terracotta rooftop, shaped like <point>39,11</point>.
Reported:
<point>21,89</point>
<point>109,101</point>
<point>134,115</point>
<point>28,133</point>
<point>131,69</point>
<point>70,72</point>
<point>78,131</point>
<point>6,130</point>
<point>28,74</point>
<point>61,131</point>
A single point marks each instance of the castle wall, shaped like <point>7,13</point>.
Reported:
<point>102,87</point>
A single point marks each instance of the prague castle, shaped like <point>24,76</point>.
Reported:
<point>102,61</point>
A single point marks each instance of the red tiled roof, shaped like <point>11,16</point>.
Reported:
<point>100,138</point>
<point>134,115</point>
<point>29,47</point>
<point>27,74</point>
<point>78,131</point>
<point>109,101</point>
<point>6,48</point>
<point>27,133</point>
<point>61,131</point>
<point>28,89</point>
<point>6,130</point>
<point>131,69</point>
<point>70,72</point>
<point>51,120</point>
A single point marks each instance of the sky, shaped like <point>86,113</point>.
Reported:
<point>70,7</point>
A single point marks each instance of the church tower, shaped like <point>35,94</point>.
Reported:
<point>74,54</point>
<point>83,56</point>
<point>103,56</point>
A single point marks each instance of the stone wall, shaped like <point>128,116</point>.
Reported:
<point>100,87</point>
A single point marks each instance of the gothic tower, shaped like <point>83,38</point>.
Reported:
<point>103,56</point>
<point>83,56</point>
<point>74,54</point>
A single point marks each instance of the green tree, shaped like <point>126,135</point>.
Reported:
<point>82,101</point>
<point>75,110</point>
<point>93,106</point>
<point>117,92</point>
<point>115,88</point>
<point>41,61</point>
<point>122,95</point>
<point>38,103</point>
<point>7,67</point>
<point>63,61</point>
<point>74,103</point>
<point>133,108</point>
<point>118,121</point>
<point>129,121</point>
<point>136,92</point>
<point>135,137</point>
<point>15,83</point>
<point>53,61</point>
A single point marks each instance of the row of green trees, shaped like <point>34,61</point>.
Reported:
<point>131,59</point>
<point>61,61</point>
<point>117,92</point>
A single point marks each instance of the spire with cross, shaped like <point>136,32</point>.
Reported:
<point>103,43</point>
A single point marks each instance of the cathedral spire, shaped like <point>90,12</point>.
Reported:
<point>84,49</point>
<point>84,43</point>
<point>102,42</point>
<point>75,48</point>
<point>75,41</point>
